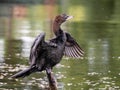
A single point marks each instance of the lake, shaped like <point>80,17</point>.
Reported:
<point>95,26</point>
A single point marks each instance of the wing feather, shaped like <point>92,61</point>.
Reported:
<point>36,47</point>
<point>72,48</point>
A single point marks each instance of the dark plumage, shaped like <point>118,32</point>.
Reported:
<point>44,55</point>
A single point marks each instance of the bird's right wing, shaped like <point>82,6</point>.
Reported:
<point>36,48</point>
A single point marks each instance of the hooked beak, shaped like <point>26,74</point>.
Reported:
<point>69,17</point>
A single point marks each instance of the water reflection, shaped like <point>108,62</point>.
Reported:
<point>97,34</point>
<point>98,61</point>
<point>2,51</point>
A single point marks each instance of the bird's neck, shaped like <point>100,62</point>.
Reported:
<point>56,28</point>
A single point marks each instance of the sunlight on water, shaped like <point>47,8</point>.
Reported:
<point>1,51</point>
<point>27,42</point>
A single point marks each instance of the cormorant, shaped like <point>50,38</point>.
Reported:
<point>44,55</point>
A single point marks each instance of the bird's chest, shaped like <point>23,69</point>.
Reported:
<point>55,54</point>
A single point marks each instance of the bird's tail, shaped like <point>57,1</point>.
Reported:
<point>25,72</point>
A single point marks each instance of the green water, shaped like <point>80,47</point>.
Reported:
<point>95,26</point>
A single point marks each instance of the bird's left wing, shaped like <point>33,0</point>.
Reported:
<point>36,48</point>
<point>72,48</point>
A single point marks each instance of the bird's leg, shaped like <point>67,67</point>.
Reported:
<point>51,79</point>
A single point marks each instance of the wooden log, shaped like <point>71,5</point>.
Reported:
<point>51,79</point>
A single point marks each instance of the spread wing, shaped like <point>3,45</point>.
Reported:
<point>36,48</point>
<point>72,49</point>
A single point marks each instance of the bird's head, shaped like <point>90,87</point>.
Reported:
<point>62,18</point>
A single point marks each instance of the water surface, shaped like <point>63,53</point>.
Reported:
<point>98,34</point>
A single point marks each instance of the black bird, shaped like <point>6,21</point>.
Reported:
<point>44,55</point>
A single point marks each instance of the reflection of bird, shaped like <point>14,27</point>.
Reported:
<point>45,55</point>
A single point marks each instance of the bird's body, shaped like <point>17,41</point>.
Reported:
<point>45,55</point>
<point>49,53</point>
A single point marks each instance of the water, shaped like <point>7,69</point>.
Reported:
<point>98,34</point>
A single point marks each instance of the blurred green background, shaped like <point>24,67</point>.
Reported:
<point>95,26</point>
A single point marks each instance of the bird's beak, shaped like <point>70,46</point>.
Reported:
<point>69,17</point>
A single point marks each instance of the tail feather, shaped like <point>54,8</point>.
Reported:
<point>25,72</point>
